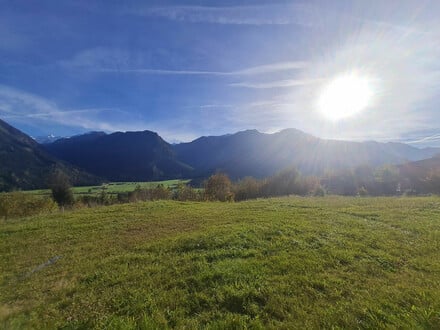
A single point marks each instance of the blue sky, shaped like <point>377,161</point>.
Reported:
<point>191,68</point>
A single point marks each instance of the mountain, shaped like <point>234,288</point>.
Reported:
<point>421,169</point>
<point>139,156</point>
<point>25,165</point>
<point>47,138</point>
<point>251,153</point>
<point>421,176</point>
<point>130,156</point>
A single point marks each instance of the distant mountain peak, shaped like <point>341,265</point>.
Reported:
<point>291,131</point>
<point>47,138</point>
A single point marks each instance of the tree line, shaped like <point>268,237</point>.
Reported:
<point>360,181</point>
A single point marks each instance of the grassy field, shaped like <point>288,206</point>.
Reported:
<point>114,187</point>
<point>286,263</point>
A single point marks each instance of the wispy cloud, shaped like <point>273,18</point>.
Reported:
<point>426,139</point>
<point>271,14</point>
<point>163,72</point>
<point>301,14</point>
<point>53,114</point>
<point>271,67</point>
<point>268,68</point>
<point>275,84</point>
<point>107,60</point>
<point>19,105</point>
<point>215,106</point>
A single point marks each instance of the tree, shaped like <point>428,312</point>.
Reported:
<point>219,187</point>
<point>185,193</point>
<point>285,182</point>
<point>387,179</point>
<point>61,189</point>
<point>341,182</point>
<point>247,188</point>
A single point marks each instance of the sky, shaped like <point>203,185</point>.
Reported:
<point>190,68</point>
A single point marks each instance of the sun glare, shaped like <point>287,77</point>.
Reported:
<point>345,96</point>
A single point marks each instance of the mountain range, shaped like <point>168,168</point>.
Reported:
<point>130,156</point>
<point>25,164</point>
<point>136,156</point>
<point>259,154</point>
<point>145,156</point>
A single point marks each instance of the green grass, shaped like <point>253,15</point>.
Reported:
<point>285,263</point>
<point>114,187</point>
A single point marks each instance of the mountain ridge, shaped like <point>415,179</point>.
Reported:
<point>263,154</point>
<point>121,156</point>
<point>145,156</point>
<point>244,153</point>
<point>25,165</point>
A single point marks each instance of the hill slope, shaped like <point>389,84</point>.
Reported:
<point>287,263</point>
<point>25,165</point>
<point>423,176</point>
<point>258,154</point>
<point>130,156</point>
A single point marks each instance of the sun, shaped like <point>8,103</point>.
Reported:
<point>345,96</point>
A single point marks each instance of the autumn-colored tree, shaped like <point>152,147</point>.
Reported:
<point>219,187</point>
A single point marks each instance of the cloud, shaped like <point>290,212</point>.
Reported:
<point>274,84</point>
<point>272,67</point>
<point>22,106</point>
<point>26,108</point>
<point>262,69</point>
<point>426,139</point>
<point>215,106</point>
<point>237,15</point>
<point>302,14</point>
<point>107,60</point>
<point>53,114</point>
<point>164,72</point>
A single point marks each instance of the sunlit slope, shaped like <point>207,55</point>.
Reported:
<point>276,263</point>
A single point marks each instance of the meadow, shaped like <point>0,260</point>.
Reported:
<point>113,187</point>
<point>278,263</point>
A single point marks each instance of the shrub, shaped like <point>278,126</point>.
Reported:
<point>362,191</point>
<point>319,191</point>
<point>247,188</point>
<point>186,193</point>
<point>19,204</point>
<point>219,187</point>
<point>285,182</point>
<point>160,192</point>
<point>61,190</point>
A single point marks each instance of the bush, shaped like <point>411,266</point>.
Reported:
<point>19,204</point>
<point>319,191</point>
<point>186,193</point>
<point>247,188</point>
<point>363,192</point>
<point>139,194</point>
<point>286,182</point>
<point>61,190</point>
<point>219,187</point>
